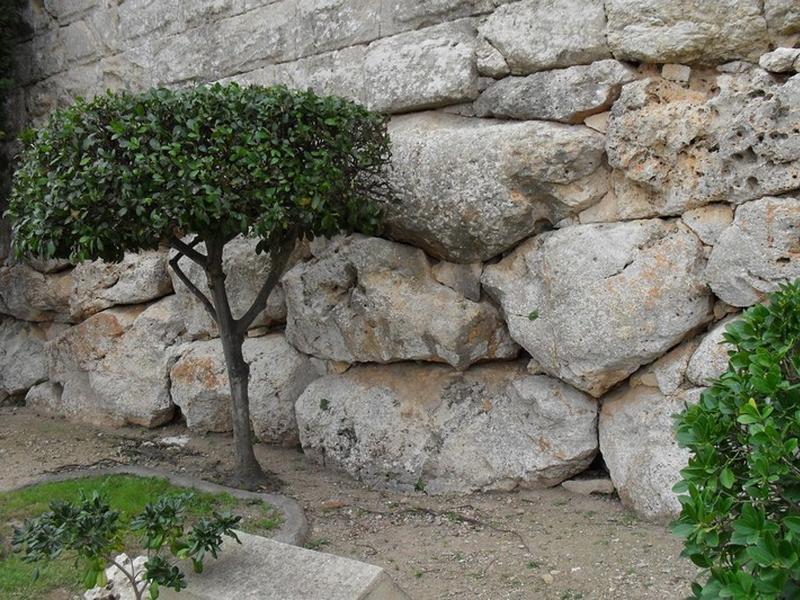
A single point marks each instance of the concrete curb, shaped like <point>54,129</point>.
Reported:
<point>293,529</point>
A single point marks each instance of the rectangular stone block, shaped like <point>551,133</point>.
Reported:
<point>324,25</point>
<point>223,47</point>
<point>261,568</point>
<point>339,73</point>
<point>422,69</point>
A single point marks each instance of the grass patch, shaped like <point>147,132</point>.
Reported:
<point>126,493</point>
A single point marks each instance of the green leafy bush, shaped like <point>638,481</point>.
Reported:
<point>741,491</point>
<point>128,171</point>
<point>91,531</point>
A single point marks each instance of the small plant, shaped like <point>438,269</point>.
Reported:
<point>741,490</point>
<point>94,533</point>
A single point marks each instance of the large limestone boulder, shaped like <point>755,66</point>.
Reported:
<point>278,375</point>
<point>686,31</point>
<point>758,252</point>
<point>371,300</point>
<point>422,69</point>
<point>418,426</point>
<point>535,35</point>
<point>138,278</point>
<point>566,95</point>
<point>592,303</point>
<point>114,366</point>
<point>469,189</point>
<point>30,295</point>
<point>639,448</point>
<point>23,362</point>
<point>246,272</point>
<point>675,148</point>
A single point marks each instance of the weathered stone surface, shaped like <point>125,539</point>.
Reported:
<point>759,251</point>
<point>609,298</point>
<point>23,362</point>
<point>226,46</point>
<point>489,61</point>
<point>98,285</point>
<point>710,360</point>
<point>332,24</point>
<point>708,222</point>
<point>422,69</point>
<point>677,148</point>
<point>685,31</point>
<point>535,35</point>
<point>32,296</point>
<point>639,447</point>
<point>337,73</point>
<point>780,60</point>
<point>410,425</point>
<point>598,122</point>
<point>362,300</point>
<point>566,95</point>
<point>47,266</point>
<point>469,189</point>
<point>44,397</point>
<point>278,374</point>
<point>464,279</point>
<point>783,16</point>
<point>295,574</point>
<point>668,373</point>
<point>114,366</point>
<point>677,73</point>
<point>403,15</point>
<point>246,272</point>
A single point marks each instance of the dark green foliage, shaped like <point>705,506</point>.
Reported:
<point>741,504</point>
<point>127,171</point>
<point>93,532</point>
<point>12,28</point>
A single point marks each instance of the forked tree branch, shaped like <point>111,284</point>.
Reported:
<point>279,256</point>
<point>192,287</point>
<point>188,250</point>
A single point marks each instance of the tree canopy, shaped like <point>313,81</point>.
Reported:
<point>127,171</point>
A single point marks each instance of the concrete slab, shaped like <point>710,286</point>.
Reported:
<point>263,569</point>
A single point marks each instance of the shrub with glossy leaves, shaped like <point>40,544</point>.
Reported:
<point>93,533</point>
<point>741,490</point>
<point>126,171</point>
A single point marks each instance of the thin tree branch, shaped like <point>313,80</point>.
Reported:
<point>131,577</point>
<point>278,258</point>
<point>188,250</point>
<point>192,287</point>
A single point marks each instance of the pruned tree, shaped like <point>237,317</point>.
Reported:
<point>127,172</point>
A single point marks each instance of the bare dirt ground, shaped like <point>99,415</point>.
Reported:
<point>520,545</point>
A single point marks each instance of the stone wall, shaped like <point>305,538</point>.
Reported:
<point>589,190</point>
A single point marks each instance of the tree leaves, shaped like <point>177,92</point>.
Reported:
<point>740,512</point>
<point>126,171</point>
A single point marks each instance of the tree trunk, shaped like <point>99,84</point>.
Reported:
<point>249,473</point>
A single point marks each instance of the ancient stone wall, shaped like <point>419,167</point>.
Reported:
<point>589,190</point>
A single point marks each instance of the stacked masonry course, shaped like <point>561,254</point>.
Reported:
<point>589,191</point>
